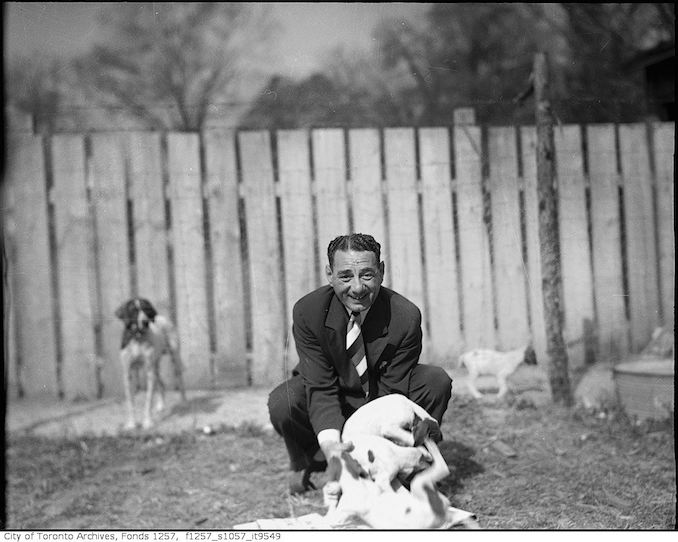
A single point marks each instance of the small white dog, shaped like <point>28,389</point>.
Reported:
<point>388,434</point>
<point>363,500</point>
<point>389,437</point>
<point>384,460</point>
<point>394,417</point>
<point>501,365</point>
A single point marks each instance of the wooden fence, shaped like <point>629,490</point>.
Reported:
<point>225,230</point>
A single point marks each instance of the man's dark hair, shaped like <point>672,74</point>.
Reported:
<point>353,241</point>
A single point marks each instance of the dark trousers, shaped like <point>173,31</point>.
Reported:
<point>430,387</point>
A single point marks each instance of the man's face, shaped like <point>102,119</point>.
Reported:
<point>356,278</point>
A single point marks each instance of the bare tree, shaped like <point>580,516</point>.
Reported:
<point>549,248</point>
<point>480,54</point>
<point>376,93</point>
<point>601,39</point>
<point>166,63</point>
<point>626,27</point>
<point>37,86</point>
<point>466,54</point>
<point>352,91</point>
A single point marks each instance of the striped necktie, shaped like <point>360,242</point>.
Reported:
<point>355,348</point>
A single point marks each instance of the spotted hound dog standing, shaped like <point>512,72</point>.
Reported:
<point>146,338</point>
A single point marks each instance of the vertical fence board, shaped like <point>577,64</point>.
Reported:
<point>366,185</point>
<point>509,268</point>
<point>664,144</point>
<point>330,182</point>
<point>268,334</point>
<point>230,364</point>
<point>30,271</point>
<point>641,253</point>
<point>403,215</point>
<point>441,264</point>
<point>189,258</point>
<point>612,328</point>
<point>150,234</point>
<point>75,267</point>
<point>575,254</point>
<point>534,284</point>
<point>474,244</point>
<point>9,227</point>
<point>113,266</point>
<point>297,223</point>
<point>10,350</point>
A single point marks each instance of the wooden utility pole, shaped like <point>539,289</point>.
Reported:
<point>558,372</point>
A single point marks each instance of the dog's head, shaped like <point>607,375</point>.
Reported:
<point>530,356</point>
<point>137,314</point>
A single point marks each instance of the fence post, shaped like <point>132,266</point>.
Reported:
<point>548,237</point>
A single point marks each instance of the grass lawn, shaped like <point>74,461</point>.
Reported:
<point>514,465</point>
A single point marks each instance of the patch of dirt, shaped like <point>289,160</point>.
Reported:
<point>567,470</point>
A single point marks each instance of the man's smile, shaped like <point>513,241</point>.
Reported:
<point>356,277</point>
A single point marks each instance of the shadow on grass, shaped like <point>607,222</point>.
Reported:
<point>458,457</point>
<point>207,404</point>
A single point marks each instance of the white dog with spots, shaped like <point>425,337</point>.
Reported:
<point>388,439</point>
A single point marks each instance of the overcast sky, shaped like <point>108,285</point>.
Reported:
<point>309,29</point>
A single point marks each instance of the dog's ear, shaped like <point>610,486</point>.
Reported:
<point>146,306</point>
<point>123,312</point>
<point>353,466</point>
<point>530,356</point>
<point>127,336</point>
<point>423,429</point>
<point>334,469</point>
<point>435,502</point>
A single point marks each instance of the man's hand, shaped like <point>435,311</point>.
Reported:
<point>333,448</point>
<point>332,488</point>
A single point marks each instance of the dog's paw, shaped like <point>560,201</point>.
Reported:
<point>426,457</point>
<point>331,494</point>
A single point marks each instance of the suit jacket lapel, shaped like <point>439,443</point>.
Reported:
<point>375,329</point>
<point>337,322</point>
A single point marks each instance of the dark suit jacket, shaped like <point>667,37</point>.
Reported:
<point>393,342</point>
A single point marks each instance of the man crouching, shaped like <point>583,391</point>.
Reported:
<point>356,341</point>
